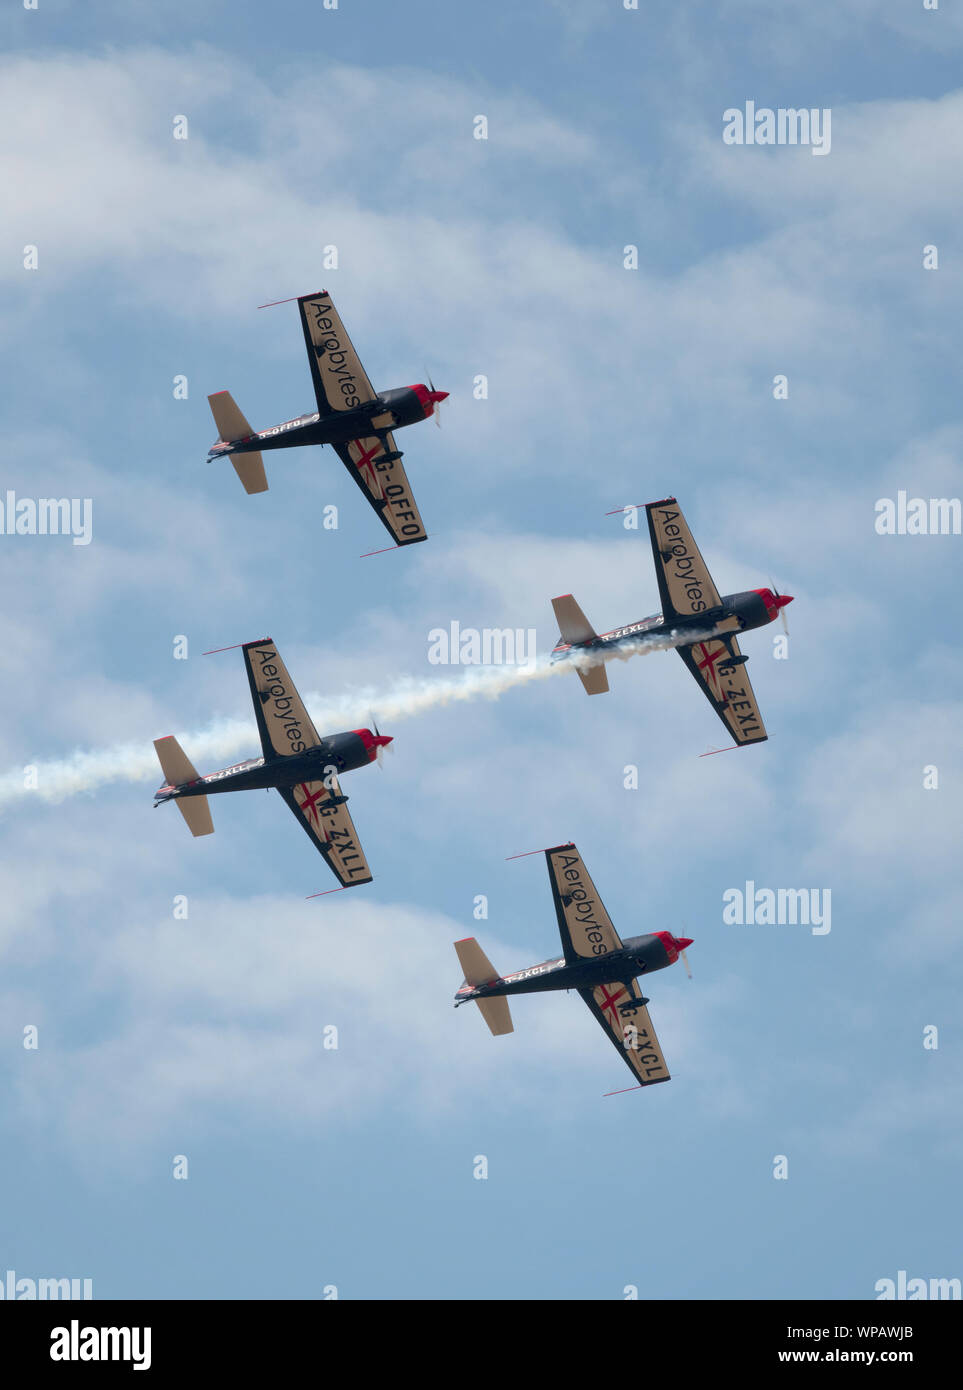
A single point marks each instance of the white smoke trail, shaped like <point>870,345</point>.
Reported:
<point>85,771</point>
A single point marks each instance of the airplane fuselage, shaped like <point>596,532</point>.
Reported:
<point>736,613</point>
<point>640,955</point>
<point>340,752</point>
<point>340,427</point>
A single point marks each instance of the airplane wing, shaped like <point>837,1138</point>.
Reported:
<point>375,465</point>
<point>685,584</point>
<point>728,691</point>
<point>282,721</point>
<point>322,811</point>
<point>583,922</point>
<point>631,1032</point>
<point>340,381</point>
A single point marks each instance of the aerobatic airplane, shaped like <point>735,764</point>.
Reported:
<point>690,604</point>
<point>351,416</point>
<point>594,961</point>
<point>302,765</point>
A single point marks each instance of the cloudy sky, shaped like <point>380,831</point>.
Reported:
<point>312,1167</point>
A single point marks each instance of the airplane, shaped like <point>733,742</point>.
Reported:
<point>594,961</point>
<point>303,766</point>
<point>351,416</point>
<point>690,603</point>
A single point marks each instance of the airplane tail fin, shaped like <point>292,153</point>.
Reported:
<point>480,971</point>
<point>232,426</point>
<point>178,769</point>
<point>577,630</point>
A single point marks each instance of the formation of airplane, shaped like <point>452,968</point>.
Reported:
<point>691,604</point>
<point>594,961</point>
<point>304,766</point>
<point>351,416</point>
<point>296,759</point>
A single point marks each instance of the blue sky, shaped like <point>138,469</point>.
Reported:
<point>159,1037</point>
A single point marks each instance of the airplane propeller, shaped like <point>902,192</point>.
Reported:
<point>684,958</point>
<point>782,611</point>
<point>437,411</point>
<point>380,748</point>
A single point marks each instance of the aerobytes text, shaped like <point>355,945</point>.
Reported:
<point>332,354</point>
<point>580,904</point>
<point>285,706</point>
<point>682,568</point>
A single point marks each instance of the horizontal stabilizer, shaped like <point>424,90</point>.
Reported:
<point>231,427</point>
<point>480,971</point>
<point>175,764</point>
<point>250,469</point>
<point>231,424</point>
<point>595,679</point>
<point>197,813</point>
<point>178,769</point>
<point>572,622</point>
<point>576,629</point>
<point>476,965</point>
<point>497,1015</point>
